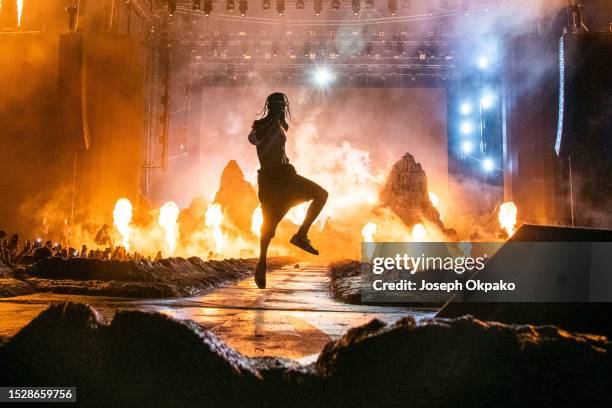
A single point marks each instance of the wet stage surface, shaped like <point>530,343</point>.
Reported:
<point>293,317</point>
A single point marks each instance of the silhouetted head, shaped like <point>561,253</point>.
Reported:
<point>277,106</point>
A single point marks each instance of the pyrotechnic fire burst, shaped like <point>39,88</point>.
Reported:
<point>257,221</point>
<point>368,231</point>
<point>168,216</point>
<point>435,200</point>
<point>507,217</point>
<point>213,220</point>
<point>19,12</point>
<point>419,232</point>
<point>297,214</point>
<point>122,217</point>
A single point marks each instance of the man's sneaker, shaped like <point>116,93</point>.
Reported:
<point>260,275</point>
<point>303,242</point>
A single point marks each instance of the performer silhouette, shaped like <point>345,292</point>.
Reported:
<point>280,187</point>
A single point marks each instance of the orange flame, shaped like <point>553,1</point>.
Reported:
<point>419,232</point>
<point>257,221</point>
<point>435,200</point>
<point>297,214</point>
<point>213,220</point>
<point>368,231</point>
<point>507,217</point>
<point>168,215</point>
<point>122,217</point>
<point>19,12</point>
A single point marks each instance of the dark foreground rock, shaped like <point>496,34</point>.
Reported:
<point>581,317</point>
<point>151,360</point>
<point>172,277</point>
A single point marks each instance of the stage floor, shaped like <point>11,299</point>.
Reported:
<point>294,317</point>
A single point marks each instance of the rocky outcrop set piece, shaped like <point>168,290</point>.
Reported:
<point>406,194</point>
<point>237,196</point>
<point>172,277</point>
<point>345,281</point>
<point>349,278</point>
<point>143,359</point>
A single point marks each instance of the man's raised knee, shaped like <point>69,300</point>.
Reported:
<point>323,194</point>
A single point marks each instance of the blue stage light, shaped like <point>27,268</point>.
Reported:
<point>466,127</point>
<point>467,147</point>
<point>483,62</point>
<point>487,100</point>
<point>465,108</point>
<point>488,165</point>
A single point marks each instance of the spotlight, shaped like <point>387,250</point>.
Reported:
<point>466,127</point>
<point>356,5</point>
<point>230,5</point>
<point>467,147</point>
<point>207,7</point>
<point>483,62</point>
<point>317,6</point>
<point>280,7</point>
<point>487,100</point>
<point>335,4</point>
<point>197,4</point>
<point>488,165</point>
<point>465,108</point>
<point>323,77</point>
<point>299,4</point>
<point>171,7</point>
<point>392,6</point>
<point>243,6</point>
<point>266,5</point>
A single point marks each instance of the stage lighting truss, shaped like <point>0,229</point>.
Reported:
<point>243,6</point>
<point>356,6</point>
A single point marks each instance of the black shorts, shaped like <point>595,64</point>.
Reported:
<point>281,188</point>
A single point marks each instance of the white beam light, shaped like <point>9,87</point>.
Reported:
<point>488,165</point>
<point>483,62</point>
<point>466,127</point>
<point>487,100</point>
<point>467,147</point>
<point>465,108</point>
<point>323,77</point>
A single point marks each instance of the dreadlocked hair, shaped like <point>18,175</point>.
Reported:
<point>277,98</point>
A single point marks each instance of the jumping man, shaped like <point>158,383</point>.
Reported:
<point>280,187</point>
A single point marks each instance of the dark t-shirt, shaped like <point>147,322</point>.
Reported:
<point>269,138</point>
